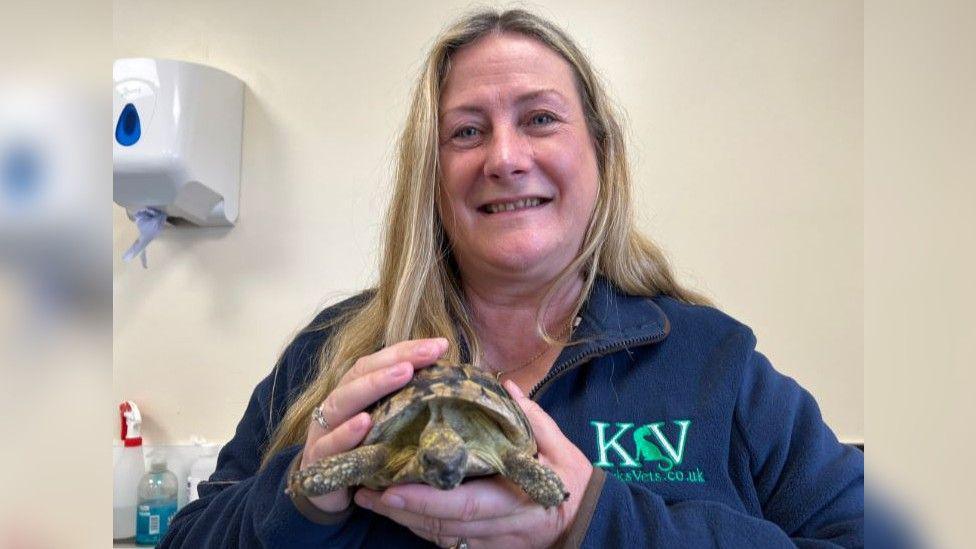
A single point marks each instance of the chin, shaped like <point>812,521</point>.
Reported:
<point>518,256</point>
<point>442,483</point>
<point>530,264</point>
<point>449,486</point>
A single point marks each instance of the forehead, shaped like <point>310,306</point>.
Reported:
<point>502,66</point>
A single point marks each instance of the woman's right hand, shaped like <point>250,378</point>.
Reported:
<point>370,378</point>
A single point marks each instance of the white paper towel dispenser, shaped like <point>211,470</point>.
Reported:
<point>177,140</point>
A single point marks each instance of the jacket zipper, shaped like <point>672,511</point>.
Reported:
<point>587,355</point>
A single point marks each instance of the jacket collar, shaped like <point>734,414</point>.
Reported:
<point>613,316</point>
<point>611,321</point>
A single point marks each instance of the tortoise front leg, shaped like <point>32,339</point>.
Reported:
<point>338,471</point>
<point>540,482</point>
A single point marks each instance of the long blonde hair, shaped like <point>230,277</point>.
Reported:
<point>419,292</point>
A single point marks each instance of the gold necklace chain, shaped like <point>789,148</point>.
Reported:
<point>498,373</point>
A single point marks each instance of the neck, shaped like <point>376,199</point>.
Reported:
<point>504,317</point>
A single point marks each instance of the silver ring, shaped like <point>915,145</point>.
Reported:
<point>461,544</point>
<point>319,417</point>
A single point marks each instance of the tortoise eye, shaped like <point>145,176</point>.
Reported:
<point>425,460</point>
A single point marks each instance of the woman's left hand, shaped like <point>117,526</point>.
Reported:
<point>493,511</point>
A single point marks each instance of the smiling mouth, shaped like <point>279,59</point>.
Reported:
<point>522,204</point>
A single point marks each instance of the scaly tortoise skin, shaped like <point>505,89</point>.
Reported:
<point>447,424</point>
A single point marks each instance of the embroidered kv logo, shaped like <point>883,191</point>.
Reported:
<point>649,441</point>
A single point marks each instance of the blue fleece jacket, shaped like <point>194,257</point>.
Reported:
<point>696,441</point>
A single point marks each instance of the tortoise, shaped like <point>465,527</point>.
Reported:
<point>448,423</point>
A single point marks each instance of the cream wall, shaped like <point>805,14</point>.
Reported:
<point>920,234</point>
<point>745,123</point>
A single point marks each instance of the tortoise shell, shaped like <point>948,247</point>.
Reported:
<point>447,424</point>
<point>461,385</point>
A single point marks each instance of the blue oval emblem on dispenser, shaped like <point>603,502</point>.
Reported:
<point>128,129</point>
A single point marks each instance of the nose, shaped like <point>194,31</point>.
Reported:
<point>509,155</point>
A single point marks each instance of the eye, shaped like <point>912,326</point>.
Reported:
<point>466,132</point>
<point>542,118</point>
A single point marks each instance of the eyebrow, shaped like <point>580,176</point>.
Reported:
<point>521,99</point>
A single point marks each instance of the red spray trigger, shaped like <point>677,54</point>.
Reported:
<point>131,419</point>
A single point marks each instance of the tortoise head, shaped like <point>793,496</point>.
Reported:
<point>442,455</point>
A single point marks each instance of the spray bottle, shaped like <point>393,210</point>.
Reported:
<point>128,469</point>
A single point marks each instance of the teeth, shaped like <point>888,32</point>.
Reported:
<point>511,206</point>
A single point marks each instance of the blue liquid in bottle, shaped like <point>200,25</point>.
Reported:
<point>156,504</point>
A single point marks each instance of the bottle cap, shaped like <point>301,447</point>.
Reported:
<point>157,463</point>
<point>206,449</point>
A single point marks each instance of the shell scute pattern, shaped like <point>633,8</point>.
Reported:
<point>463,384</point>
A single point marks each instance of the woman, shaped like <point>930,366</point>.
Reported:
<point>510,244</point>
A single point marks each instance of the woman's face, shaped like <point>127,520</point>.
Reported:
<point>518,165</point>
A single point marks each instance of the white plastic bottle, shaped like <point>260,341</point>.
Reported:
<point>201,469</point>
<point>127,472</point>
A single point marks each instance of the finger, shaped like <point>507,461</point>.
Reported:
<point>351,398</point>
<point>514,390</point>
<point>356,392</point>
<point>434,528</point>
<point>440,542</point>
<point>547,432</point>
<point>343,438</point>
<point>430,528</point>
<point>419,352</point>
<point>474,500</point>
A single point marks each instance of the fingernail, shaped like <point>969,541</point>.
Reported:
<point>427,349</point>
<point>514,389</point>
<point>398,371</point>
<point>394,501</point>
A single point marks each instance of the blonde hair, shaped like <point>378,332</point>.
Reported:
<point>419,291</point>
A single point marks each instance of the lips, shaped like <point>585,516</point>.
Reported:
<point>512,205</point>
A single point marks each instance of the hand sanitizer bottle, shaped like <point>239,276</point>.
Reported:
<point>157,503</point>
